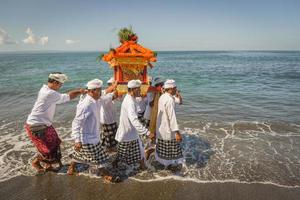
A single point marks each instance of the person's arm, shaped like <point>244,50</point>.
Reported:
<point>135,121</point>
<point>107,98</point>
<point>111,88</point>
<point>178,98</point>
<point>74,93</point>
<point>151,89</point>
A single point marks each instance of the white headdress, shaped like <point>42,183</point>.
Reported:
<point>134,84</point>
<point>58,77</point>
<point>170,83</point>
<point>94,84</point>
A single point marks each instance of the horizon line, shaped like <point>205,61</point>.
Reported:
<point>101,51</point>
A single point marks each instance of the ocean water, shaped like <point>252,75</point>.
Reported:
<point>240,118</point>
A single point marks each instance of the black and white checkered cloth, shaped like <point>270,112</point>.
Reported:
<point>108,133</point>
<point>90,154</point>
<point>168,149</point>
<point>129,152</point>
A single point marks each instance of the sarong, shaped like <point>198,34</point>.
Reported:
<point>129,152</point>
<point>90,154</point>
<point>168,152</point>
<point>108,133</point>
<point>46,141</point>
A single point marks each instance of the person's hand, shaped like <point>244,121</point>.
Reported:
<point>82,91</point>
<point>78,146</point>
<point>115,84</point>
<point>178,136</point>
<point>152,136</point>
<point>177,93</point>
<point>151,104</point>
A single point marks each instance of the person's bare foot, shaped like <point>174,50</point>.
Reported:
<point>48,167</point>
<point>37,165</point>
<point>111,179</point>
<point>71,170</point>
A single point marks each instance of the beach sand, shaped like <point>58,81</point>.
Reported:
<point>52,186</point>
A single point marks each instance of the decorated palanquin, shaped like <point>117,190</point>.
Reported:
<point>130,61</point>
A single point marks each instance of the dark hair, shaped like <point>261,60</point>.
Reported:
<point>50,80</point>
<point>167,89</point>
<point>158,84</point>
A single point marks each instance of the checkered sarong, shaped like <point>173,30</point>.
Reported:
<point>129,152</point>
<point>168,149</point>
<point>90,154</point>
<point>108,133</point>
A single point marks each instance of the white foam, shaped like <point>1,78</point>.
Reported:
<point>217,148</point>
<point>177,178</point>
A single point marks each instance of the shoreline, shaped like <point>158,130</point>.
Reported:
<point>52,186</point>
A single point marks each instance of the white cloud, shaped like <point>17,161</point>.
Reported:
<point>72,41</point>
<point>5,38</point>
<point>44,40</point>
<point>33,39</point>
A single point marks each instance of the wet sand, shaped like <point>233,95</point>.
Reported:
<point>51,186</point>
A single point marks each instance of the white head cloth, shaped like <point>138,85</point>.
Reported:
<point>134,84</point>
<point>58,77</point>
<point>111,80</point>
<point>150,79</point>
<point>94,84</point>
<point>170,83</point>
<point>158,80</point>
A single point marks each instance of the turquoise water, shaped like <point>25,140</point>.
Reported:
<point>240,118</point>
<point>223,86</point>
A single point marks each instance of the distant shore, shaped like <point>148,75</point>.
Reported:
<point>51,186</point>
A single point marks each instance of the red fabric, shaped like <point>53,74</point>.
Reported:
<point>48,146</point>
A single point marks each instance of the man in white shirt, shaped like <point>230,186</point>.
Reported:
<point>142,102</point>
<point>39,122</point>
<point>85,131</point>
<point>150,115</point>
<point>130,148</point>
<point>108,121</point>
<point>168,151</point>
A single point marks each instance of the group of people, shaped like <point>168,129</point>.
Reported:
<point>96,131</point>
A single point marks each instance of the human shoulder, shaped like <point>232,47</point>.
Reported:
<point>169,99</point>
<point>129,101</point>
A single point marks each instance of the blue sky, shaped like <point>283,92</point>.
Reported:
<point>90,25</point>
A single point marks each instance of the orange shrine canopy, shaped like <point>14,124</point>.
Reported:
<point>130,61</point>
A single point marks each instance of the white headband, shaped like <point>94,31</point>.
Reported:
<point>94,84</point>
<point>134,84</point>
<point>59,77</point>
<point>170,83</point>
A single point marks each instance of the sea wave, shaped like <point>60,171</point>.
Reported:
<point>247,152</point>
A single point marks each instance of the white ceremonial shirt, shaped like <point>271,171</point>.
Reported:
<point>129,126</point>
<point>147,114</point>
<point>86,124</point>
<point>166,124</point>
<point>107,112</point>
<point>141,103</point>
<point>44,108</point>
